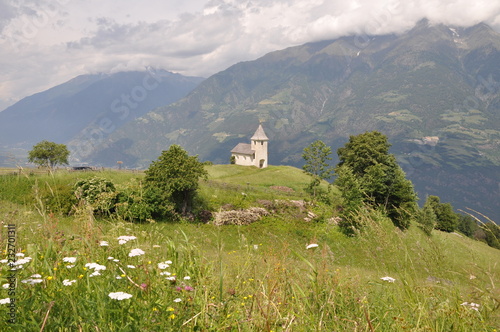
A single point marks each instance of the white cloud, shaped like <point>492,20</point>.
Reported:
<point>46,42</point>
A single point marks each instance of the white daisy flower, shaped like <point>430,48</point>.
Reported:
<point>20,254</point>
<point>22,261</point>
<point>95,266</point>
<point>94,274</point>
<point>472,305</point>
<point>70,266</point>
<point>125,238</point>
<point>312,245</point>
<point>131,266</point>
<point>5,301</point>
<point>31,281</point>
<point>6,286</point>
<point>120,296</point>
<point>163,266</point>
<point>104,243</point>
<point>67,282</point>
<point>165,273</point>
<point>177,300</point>
<point>69,259</point>
<point>187,278</point>
<point>136,252</point>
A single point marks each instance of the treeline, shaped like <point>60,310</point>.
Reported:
<point>370,179</point>
<point>441,216</point>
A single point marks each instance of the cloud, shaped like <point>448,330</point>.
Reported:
<point>7,12</point>
<point>46,42</point>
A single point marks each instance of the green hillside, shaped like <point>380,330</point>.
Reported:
<point>258,277</point>
<point>288,176</point>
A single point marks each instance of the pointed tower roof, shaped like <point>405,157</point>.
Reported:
<point>260,135</point>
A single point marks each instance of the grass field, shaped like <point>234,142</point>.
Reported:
<point>259,277</point>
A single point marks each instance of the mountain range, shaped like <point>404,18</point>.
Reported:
<point>88,108</point>
<point>433,90</point>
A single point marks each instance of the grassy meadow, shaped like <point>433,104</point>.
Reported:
<point>86,273</point>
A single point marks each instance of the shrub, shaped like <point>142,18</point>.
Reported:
<point>98,192</point>
<point>56,198</point>
<point>134,202</point>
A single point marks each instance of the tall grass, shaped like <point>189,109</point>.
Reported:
<point>240,280</point>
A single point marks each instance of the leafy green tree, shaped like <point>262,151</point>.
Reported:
<point>427,218</point>
<point>381,180</point>
<point>49,154</point>
<point>316,156</point>
<point>467,225</point>
<point>352,192</point>
<point>446,219</point>
<point>352,200</point>
<point>174,178</point>
<point>492,234</point>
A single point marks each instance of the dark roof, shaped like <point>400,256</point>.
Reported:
<point>260,135</point>
<point>243,148</point>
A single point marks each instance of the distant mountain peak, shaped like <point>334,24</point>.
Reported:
<point>79,108</point>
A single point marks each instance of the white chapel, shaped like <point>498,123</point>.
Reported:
<point>253,154</point>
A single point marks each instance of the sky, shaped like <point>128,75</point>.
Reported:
<point>44,43</point>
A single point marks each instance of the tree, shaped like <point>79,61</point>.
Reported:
<point>174,178</point>
<point>467,225</point>
<point>381,180</point>
<point>427,218</point>
<point>492,234</point>
<point>316,156</point>
<point>446,219</point>
<point>49,154</point>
